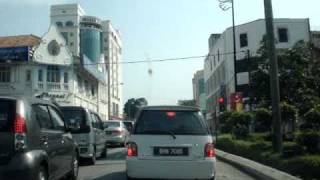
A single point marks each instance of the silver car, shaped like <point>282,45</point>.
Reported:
<point>87,130</point>
<point>116,132</point>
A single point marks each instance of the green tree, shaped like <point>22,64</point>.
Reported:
<point>297,84</point>
<point>132,107</point>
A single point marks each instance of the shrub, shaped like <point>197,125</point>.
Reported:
<point>263,120</point>
<point>240,122</point>
<point>309,140</point>
<point>312,119</point>
<point>224,121</point>
<point>256,137</point>
<point>307,167</point>
<point>289,118</point>
<point>291,149</point>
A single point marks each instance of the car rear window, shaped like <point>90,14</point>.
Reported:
<point>113,124</point>
<point>75,119</point>
<point>7,115</point>
<point>177,122</point>
<point>128,125</point>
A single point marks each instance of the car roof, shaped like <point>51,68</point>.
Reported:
<point>32,100</point>
<point>170,108</point>
<point>113,121</point>
<point>73,107</point>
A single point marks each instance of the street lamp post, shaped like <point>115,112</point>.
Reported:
<point>224,6</point>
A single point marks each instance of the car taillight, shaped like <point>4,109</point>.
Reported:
<point>20,130</point>
<point>19,125</point>
<point>132,149</point>
<point>209,150</point>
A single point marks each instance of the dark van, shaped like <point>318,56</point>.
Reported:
<point>34,141</point>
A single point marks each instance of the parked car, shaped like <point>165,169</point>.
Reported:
<point>87,130</point>
<point>34,141</point>
<point>170,142</point>
<point>116,132</point>
<point>129,125</point>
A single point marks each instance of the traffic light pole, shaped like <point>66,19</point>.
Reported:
<point>274,79</point>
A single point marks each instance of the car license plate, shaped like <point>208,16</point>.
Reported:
<point>170,151</point>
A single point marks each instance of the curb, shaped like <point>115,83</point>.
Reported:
<point>253,168</point>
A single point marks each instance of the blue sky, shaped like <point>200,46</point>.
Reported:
<point>156,29</point>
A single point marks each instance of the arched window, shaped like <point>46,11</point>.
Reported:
<point>59,24</point>
<point>69,23</point>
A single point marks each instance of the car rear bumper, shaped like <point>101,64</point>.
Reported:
<point>116,139</point>
<point>86,151</point>
<point>200,169</point>
<point>21,166</point>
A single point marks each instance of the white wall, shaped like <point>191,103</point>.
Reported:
<point>298,29</point>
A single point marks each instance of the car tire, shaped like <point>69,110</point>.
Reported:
<point>73,174</point>
<point>93,159</point>
<point>104,152</point>
<point>42,174</point>
<point>130,178</point>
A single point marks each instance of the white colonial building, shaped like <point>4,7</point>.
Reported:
<point>96,41</point>
<point>219,64</point>
<point>46,68</point>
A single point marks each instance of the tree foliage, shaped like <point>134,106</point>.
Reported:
<point>132,107</point>
<point>299,83</point>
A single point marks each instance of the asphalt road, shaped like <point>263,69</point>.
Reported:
<point>113,168</point>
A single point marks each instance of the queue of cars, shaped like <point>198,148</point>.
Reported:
<point>40,140</point>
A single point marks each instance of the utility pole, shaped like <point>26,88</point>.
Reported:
<point>234,48</point>
<point>224,6</point>
<point>274,79</point>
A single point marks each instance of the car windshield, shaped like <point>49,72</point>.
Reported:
<point>112,124</point>
<point>176,122</point>
<point>74,119</point>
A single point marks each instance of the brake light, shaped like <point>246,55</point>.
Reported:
<point>171,114</point>
<point>209,150</point>
<point>20,130</point>
<point>19,125</point>
<point>132,150</point>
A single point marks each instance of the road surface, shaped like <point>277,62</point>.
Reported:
<point>113,168</point>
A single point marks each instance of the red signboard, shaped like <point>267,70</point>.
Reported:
<point>235,98</point>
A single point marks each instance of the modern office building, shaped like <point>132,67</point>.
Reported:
<point>95,42</point>
<point>198,90</point>
<point>219,69</point>
<point>45,68</point>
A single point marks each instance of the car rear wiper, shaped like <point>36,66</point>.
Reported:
<point>159,131</point>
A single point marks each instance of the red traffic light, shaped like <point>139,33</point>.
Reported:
<point>221,100</point>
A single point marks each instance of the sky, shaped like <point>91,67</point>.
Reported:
<point>156,29</point>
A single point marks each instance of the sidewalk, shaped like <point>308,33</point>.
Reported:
<point>253,168</point>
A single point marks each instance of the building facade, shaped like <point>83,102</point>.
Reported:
<point>198,90</point>
<point>96,42</point>
<point>45,68</point>
<point>219,69</point>
<point>113,54</point>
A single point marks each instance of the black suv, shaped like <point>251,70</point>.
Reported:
<point>34,142</point>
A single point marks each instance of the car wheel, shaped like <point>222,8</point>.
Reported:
<point>130,178</point>
<point>93,158</point>
<point>73,174</point>
<point>42,174</point>
<point>104,152</point>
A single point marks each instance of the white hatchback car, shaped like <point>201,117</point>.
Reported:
<point>170,142</point>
